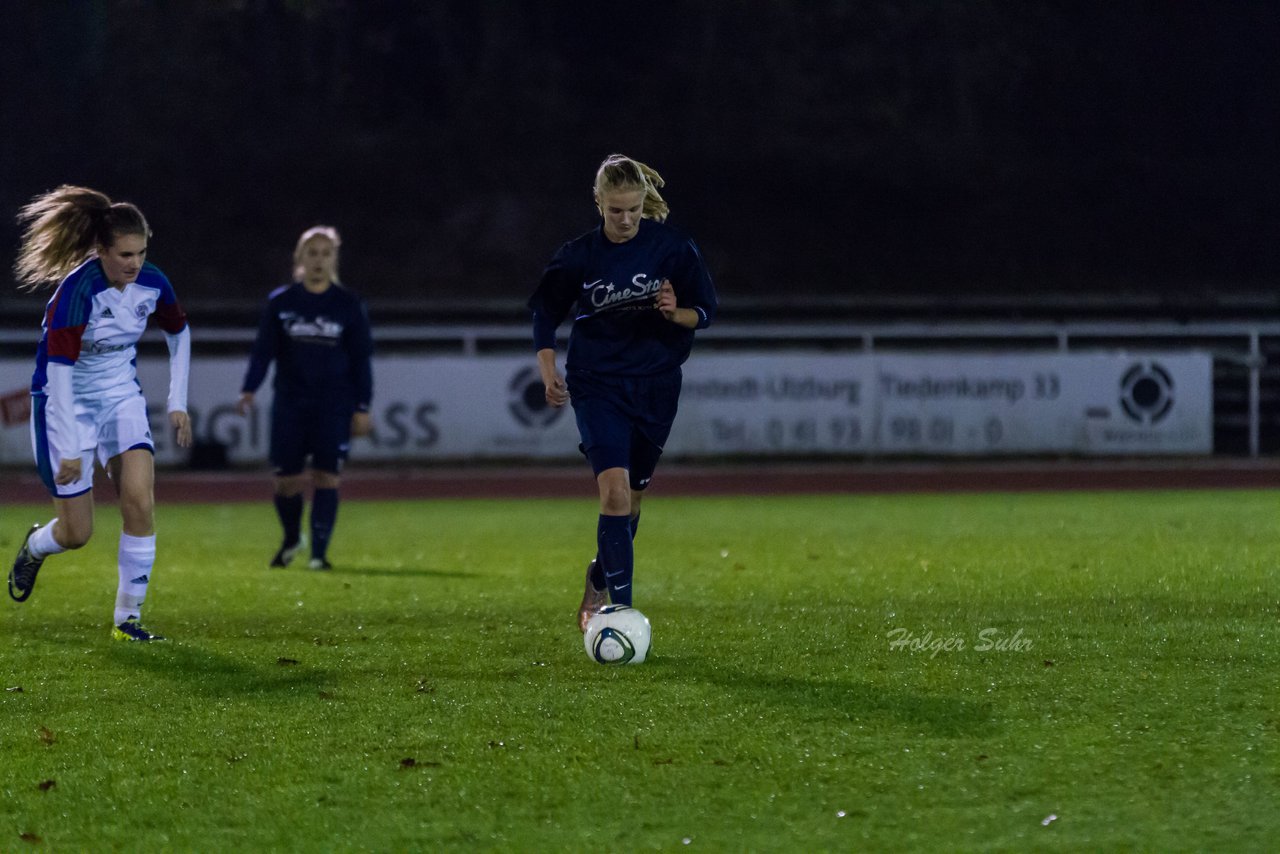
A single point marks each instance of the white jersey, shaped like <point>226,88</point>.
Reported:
<point>108,348</point>
<point>93,328</point>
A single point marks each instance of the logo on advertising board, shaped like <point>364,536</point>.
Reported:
<point>527,401</point>
<point>1146,393</point>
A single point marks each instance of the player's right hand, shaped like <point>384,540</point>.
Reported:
<point>665,301</point>
<point>68,471</point>
<point>557,391</point>
<point>361,424</point>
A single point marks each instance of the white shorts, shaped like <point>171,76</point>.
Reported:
<point>113,426</point>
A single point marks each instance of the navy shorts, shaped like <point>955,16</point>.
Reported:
<point>300,431</point>
<point>624,421</point>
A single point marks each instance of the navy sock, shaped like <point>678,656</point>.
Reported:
<point>613,543</point>
<point>597,568</point>
<point>597,573</point>
<point>289,509</point>
<point>324,512</point>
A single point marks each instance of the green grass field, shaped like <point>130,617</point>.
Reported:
<point>1032,672</point>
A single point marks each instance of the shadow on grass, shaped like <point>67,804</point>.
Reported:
<point>215,674</point>
<point>403,571</point>
<point>931,714</point>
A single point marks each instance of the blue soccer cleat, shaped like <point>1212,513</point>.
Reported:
<point>22,577</point>
<point>131,630</point>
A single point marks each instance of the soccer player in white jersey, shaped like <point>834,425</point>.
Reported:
<point>85,395</point>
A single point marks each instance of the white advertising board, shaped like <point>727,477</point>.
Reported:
<point>460,408</point>
<point>947,404</point>
<point>1078,403</point>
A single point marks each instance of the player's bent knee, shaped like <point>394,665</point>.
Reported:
<point>289,485</point>
<point>615,493</point>
<point>325,479</point>
<point>138,510</point>
<point>72,536</point>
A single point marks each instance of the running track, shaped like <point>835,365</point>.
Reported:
<point>574,481</point>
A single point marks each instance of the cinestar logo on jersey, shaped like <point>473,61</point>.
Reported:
<point>610,296</point>
<point>320,331</point>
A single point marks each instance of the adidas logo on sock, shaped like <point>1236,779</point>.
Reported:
<point>141,579</point>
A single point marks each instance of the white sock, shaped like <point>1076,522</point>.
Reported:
<point>137,555</point>
<point>42,544</point>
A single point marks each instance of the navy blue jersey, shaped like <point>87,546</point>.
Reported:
<point>321,344</point>
<point>616,329</point>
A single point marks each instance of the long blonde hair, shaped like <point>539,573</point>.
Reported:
<point>329,233</point>
<point>64,227</point>
<point>619,172</point>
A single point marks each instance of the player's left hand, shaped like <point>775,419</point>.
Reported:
<point>665,302</point>
<point>181,423</point>
<point>361,424</point>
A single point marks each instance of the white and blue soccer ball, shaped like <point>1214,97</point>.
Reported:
<point>617,634</point>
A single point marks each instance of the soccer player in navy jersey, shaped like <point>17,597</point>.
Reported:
<point>640,289</point>
<point>317,332</point>
<point>85,396</point>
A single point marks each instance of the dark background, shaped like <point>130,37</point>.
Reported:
<point>818,151</point>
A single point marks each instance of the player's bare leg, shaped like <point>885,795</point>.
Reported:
<point>71,528</point>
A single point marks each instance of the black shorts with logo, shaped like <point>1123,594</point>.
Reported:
<point>624,421</point>
<point>308,430</point>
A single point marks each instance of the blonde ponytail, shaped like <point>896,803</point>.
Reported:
<point>64,227</point>
<point>619,172</point>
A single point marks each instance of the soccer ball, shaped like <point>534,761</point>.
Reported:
<point>617,634</point>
